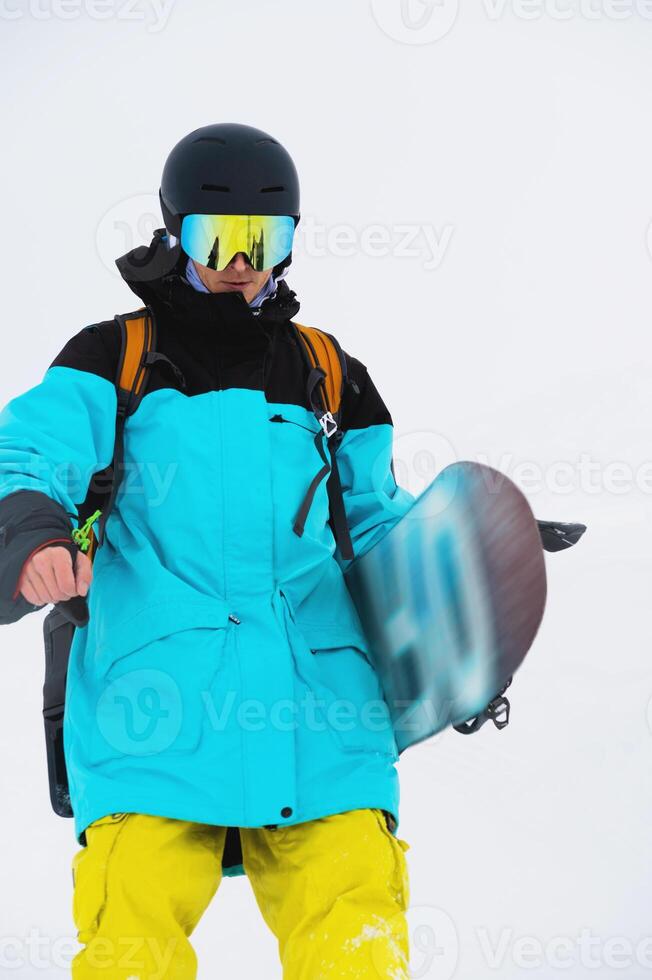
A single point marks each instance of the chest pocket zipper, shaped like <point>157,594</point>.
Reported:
<point>280,418</point>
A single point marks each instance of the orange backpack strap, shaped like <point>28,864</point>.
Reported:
<point>137,342</point>
<point>138,338</point>
<point>324,353</point>
<point>327,376</point>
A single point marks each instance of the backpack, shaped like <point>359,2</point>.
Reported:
<point>326,372</point>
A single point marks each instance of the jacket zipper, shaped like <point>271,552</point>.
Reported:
<point>280,418</point>
<point>219,409</point>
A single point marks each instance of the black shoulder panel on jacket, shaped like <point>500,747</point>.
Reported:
<point>365,407</point>
<point>95,349</point>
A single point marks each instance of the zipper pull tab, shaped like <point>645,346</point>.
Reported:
<point>82,535</point>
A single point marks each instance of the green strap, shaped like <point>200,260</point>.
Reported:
<point>82,535</point>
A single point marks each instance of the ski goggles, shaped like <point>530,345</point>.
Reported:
<point>214,239</point>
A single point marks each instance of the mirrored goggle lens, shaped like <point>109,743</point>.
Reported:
<point>213,239</point>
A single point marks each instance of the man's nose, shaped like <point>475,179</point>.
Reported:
<point>239,262</point>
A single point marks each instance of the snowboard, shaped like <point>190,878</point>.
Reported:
<point>450,600</point>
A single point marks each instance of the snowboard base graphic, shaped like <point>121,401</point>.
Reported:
<point>451,599</point>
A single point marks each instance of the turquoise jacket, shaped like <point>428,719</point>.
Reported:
<point>223,676</point>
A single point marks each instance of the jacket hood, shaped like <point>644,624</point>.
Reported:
<point>155,273</point>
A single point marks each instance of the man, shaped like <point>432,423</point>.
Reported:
<point>223,679</point>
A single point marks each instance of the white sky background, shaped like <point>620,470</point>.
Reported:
<point>521,141</point>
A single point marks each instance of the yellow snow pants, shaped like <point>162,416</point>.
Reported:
<point>334,892</point>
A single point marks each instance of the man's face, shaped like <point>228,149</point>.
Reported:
<point>238,277</point>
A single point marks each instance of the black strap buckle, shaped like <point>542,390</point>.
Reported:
<point>498,711</point>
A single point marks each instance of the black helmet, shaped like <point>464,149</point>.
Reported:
<point>228,168</point>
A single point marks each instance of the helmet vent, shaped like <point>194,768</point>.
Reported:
<point>271,190</point>
<point>210,139</point>
<point>216,187</point>
<point>263,141</point>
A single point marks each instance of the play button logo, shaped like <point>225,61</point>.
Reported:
<point>415,21</point>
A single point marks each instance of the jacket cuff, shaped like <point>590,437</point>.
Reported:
<point>29,521</point>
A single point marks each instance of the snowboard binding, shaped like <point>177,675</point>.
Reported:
<point>559,537</point>
<point>497,711</point>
